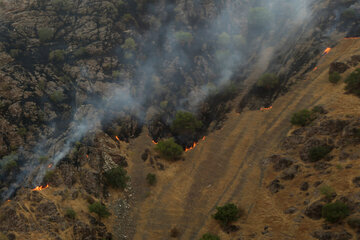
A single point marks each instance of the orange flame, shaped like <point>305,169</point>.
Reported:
<point>326,51</point>
<point>265,109</point>
<point>117,138</point>
<point>194,145</point>
<point>39,188</point>
<point>8,200</point>
<point>352,38</point>
<point>315,68</point>
<point>50,165</point>
<point>154,142</point>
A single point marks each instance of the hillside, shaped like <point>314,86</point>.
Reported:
<point>95,96</point>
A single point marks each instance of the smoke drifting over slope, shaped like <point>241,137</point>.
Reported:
<point>187,51</point>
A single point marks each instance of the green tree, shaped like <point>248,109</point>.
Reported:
<point>319,152</point>
<point>57,56</point>
<point>334,77</point>
<point>70,213</point>
<point>117,177</point>
<point>151,179</point>
<point>100,209</point>
<point>81,53</point>
<point>184,37</point>
<point>129,44</point>
<point>185,123</point>
<point>57,96</point>
<point>302,118</point>
<point>45,34</point>
<point>10,165</point>
<point>268,81</point>
<point>334,212</point>
<point>227,214</point>
<point>169,149</point>
<point>209,236</point>
<point>353,83</point>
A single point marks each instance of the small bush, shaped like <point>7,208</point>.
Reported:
<point>82,52</point>
<point>10,165</point>
<point>14,53</point>
<point>239,41</point>
<point>116,74</point>
<point>43,159</point>
<point>151,179</point>
<point>224,39</point>
<point>209,236</point>
<point>57,56</point>
<point>169,149</point>
<point>327,191</point>
<point>49,177</point>
<point>268,81</point>
<point>227,214</point>
<point>302,118</point>
<point>57,96</point>
<point>334,77</point>
<point>117,177</point>
<point>100,209</point>
<point>348,14</point>
<point>353,83</point>
<point>129,44</point>
<point>319,152</point>
<point>45,34</point>
<point>62,5</point>
<point>70,213</point>
<point>334,212</point>
<point>354,222</point>
<point>183,37</point>
<point>22,131</point>
<point>185,123</point>
<point>174,232</point>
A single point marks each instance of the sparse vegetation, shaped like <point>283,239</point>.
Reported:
<point>227,214</point>
<point>348,14</point>
<point>302,118</point>
<point>57,56</point>
<point>81,52</point>
<point>334,77</point>
<point>57,96</point>
<point>14,53</point>
<point>10,166</point>
<point>224,39</point>
<point>334,212</point>
<point>45,34</point>
<point>3,236</point>
<point>185,123</point>
<point>117,177</point>
<point>22,131</point>
<point>319,152</point>
<point>169,149</point>
<point>184,37</point>
<point>100,209</point>
<point>268,81</point>
<point>49,176</point>
<point>129,44</point>
<point>70,213</point>
<point>43,159</point>
<point>151,179</point>
<point>327,191</point>
<point>353,83</point>
<point>209,236</point>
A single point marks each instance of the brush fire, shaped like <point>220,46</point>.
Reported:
<point>40,188</point>
<point>194,145</point>
<point>326,51</point>
<point>265,109</point>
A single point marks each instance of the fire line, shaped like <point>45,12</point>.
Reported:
<point>40,188</point>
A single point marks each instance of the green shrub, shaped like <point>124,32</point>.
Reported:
<point>209,236</point>
<point>57,96</point>
<point>100,209</point>
<point>70,213</point>
<point>169,149</point>
<point>22,131</point>
<point>45,34</point>
<point>183,37</point>
<point>356,132</point>
<point>151,179</point>
<point>354,222</point>
<point>185,123</point>
<point>14,53</point>
<point>222,55</point>
<point>128,18</point>
<point>227,214</point>
<point>268,81</point>
<point>116,74</point>
<point>348,14</point>
<point>81,52</point>
<point>10,165</point>
<point>57,56</point>
<point>334,77</point>
<point>164,104</point>
<point>49,176</point>
<point>353,83</point>
<point>62,5</point>
<point>319,152</point>
<point>327,191</point>
<point>43,159</point>
<point>129,44</point>
<point>224,39</point>
<point>302,118</point>
<point>258,18</point>
<point>117,177</point>
<point>334,212</point>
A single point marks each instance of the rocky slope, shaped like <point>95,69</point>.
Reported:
<point>65,65</point>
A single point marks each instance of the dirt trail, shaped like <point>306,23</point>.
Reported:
<point>226,167</point>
